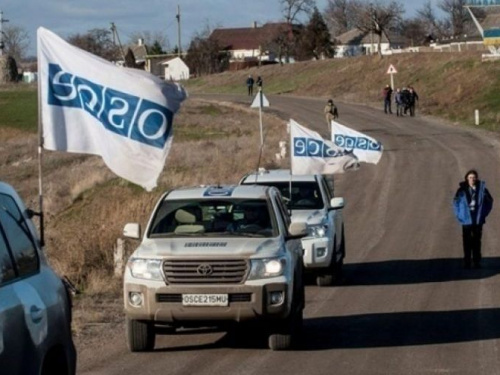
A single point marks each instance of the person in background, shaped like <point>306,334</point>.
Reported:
<point>259,82</point>
<point>472,204</point>
<point>250,82</point>
<point>398,99</point>
<point>331,113</point>
<point>413,97</point>
<point>387,94</point>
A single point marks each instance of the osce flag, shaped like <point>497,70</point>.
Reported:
<point>366,148</point>
<point>312,154</point>
<point>89,105</point>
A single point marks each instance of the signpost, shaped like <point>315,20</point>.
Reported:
<point>392,70</point>
<point>260,101</point>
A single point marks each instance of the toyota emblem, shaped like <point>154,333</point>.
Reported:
<point>205,269</point>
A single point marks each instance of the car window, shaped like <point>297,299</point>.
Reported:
<point>210,217</point>
<point>6,267</point>
<point>18,236</point>
<point>306,195</point>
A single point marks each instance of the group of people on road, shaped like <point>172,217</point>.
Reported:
<point>251,82</point>
<point>405,100</point>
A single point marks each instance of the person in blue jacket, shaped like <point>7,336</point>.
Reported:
<point>472,204</point>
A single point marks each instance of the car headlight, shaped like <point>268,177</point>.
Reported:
<point>317,230</point>
<point>265,268</point>
<point>149,269</point>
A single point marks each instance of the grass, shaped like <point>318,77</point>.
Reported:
<point>19,108</point>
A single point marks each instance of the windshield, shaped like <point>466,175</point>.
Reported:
<point>305,194</point>
<point>213,217</point>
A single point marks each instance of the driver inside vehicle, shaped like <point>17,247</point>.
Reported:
<point>254,220</point>
<point>307,196</point>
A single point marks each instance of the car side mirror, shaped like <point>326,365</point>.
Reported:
<point>337,203</point>
<point>132,230</point>
<point>297,230</point>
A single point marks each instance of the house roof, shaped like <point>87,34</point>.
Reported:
<point>139,51</point>
<point>247,37</point>
<point>356,36</point>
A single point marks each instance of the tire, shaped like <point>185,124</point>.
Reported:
<point>140,336</point>
<point>324,280</point>
<point>55,363</point>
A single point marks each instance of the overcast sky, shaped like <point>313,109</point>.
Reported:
<point>67,17</point>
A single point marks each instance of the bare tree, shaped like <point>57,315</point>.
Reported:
<point>433,26</point>
<point>293,8</point>
<point>205,55</point>
<point>151,38</point>
<point>97,41</point>
<point>377,18</point>
<point>457,14</point>
<point>339,16</point>
<point>16,42</point>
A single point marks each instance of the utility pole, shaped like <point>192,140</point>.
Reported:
<point>115,35</point>
<point>371,28</point>
<point>178,16</point>
<point>2,21</point>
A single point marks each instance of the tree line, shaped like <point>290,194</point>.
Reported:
<point>307,32</point>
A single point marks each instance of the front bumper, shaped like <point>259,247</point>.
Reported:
<point>246,303</point>
<point>318,252</point>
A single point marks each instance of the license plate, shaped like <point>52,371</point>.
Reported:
<point>205,300</point>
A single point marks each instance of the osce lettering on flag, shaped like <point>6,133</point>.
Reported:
<point>366,148</point>
<point>91,106</point>
<point>312,154</point>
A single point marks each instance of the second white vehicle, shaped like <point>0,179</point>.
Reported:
<point>312,202</point>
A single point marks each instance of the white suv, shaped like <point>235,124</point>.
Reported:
<point>212,256</point>
<point>312,202</point>
<point>35,306</point>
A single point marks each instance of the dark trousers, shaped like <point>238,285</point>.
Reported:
<point>471,235</point>
<point>387,106</point>
<point>399,109</point>
<point>250,90</point>
<point>412,110</point>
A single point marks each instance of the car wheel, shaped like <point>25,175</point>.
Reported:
<point>141,336</point>
<point>55,363</point>
<point>288,333</point>
<point>324,280</point>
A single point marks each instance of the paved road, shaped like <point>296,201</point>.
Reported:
<point>406,306</point>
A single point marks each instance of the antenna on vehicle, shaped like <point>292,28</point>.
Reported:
<point>257,170</point>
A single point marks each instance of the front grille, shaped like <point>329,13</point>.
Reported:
<point>177,298</point>
<point>231,271</point>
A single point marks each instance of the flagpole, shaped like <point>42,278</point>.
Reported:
<point>260,117</point>
<point>40,154</point>
<point>291,166</point>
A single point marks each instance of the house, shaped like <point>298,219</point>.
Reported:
<point>254,44</point>
<point>356,42</point>
<point>175,69</point>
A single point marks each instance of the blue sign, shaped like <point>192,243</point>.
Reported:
<point>312,147</point>
<point>127,115</point>
<point>217,191</point>
<point>481,2</point>
<point>360,143</point>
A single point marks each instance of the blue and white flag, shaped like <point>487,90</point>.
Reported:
<point>366,148</point>
<point>312,154</point>
<point>91,106</point>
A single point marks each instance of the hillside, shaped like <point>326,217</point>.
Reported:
<point>450,85</point>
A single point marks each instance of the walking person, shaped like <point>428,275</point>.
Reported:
<point>250,82</point>
<point>331,113</point>
<point>398,98</point>
<point>413,97</point>
<point>259,82</point>
<point>472,204</point>
<point>387,94</point>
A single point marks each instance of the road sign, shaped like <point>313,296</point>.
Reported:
<point>260,101</point>
<point>391,70</point>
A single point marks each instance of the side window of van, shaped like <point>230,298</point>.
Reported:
<point>6,268</point>
<point>18,236</point>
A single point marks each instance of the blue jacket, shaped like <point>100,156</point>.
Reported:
<point>461,202</point>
